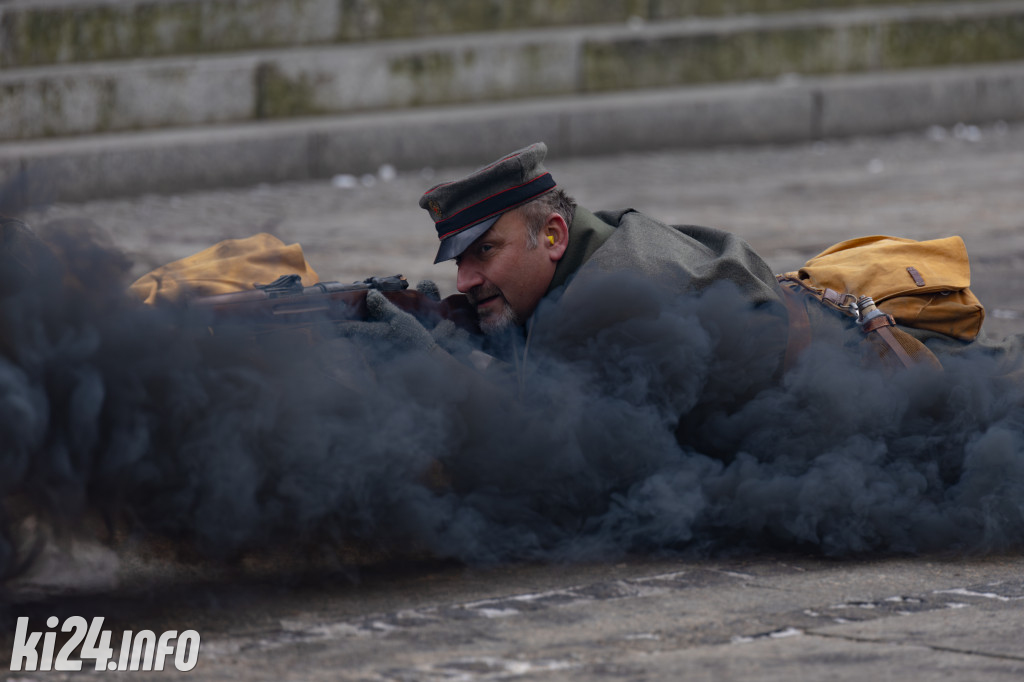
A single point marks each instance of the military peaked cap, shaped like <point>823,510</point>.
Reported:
<point>464,209</point>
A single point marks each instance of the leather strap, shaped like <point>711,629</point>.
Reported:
<point>890,340</point>
<point>800,325</point>
<point>918,279</point>
<point>799,337</point>
<point>833,297</point>
<point>880,321</point>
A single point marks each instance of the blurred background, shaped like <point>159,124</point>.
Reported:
<point>103,98</point>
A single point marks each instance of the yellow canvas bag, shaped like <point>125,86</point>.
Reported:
<point>226,267</point>
<point>922,284</point>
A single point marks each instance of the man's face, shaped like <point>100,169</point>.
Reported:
<point>502,276</point>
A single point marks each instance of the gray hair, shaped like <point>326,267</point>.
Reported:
<point>536,213</point>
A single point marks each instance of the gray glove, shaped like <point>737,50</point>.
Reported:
<point>429,289</point>
<point>387,323</point>
<point>446,334</point>
<point>451,337</point>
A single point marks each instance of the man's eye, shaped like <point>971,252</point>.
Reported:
<point>484,248</point>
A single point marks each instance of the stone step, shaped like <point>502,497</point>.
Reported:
<point>481,67</point>
<point>793,110</point>
<point>40,32</point>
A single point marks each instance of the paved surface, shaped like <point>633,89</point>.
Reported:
<point>788,201</point>
<point>764,618</point>
<point>749,618</point>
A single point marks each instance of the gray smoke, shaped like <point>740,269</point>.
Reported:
<point>225,446</point>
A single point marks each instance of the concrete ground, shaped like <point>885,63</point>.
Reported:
<point>789,202</point>
<point>792,617</point>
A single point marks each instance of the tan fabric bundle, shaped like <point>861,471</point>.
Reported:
<point>226,267</point>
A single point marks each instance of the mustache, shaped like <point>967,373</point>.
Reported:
<point>482,292</point>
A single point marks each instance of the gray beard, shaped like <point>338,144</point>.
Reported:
<point>503,321</point>
<point>496,324</point>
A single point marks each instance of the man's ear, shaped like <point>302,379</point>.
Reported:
<point>555,236</point>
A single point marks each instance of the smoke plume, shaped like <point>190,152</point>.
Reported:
<point>642,422</point>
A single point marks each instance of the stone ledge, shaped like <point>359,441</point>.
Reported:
<point>35,173</point>
<point>170,92</point>
<point>39,32</point>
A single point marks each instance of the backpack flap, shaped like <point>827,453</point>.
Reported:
<point>922,284</point>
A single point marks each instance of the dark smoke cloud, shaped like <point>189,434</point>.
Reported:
<point>137,412</point>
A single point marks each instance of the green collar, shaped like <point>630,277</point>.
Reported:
<point>586,234</point>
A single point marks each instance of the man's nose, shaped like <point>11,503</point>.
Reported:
<point>467,277</point>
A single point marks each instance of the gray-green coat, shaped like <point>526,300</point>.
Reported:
<point>623,301</point>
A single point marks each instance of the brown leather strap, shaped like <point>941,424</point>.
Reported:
<point>890,340</point>
<point>833,297</point>
<point>880,321</point>
<point>799,326</point>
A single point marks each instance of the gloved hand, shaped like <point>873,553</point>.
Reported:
<point>429,289</point>
<point>447,334</point>
<point>387,323</point>
<point>451,337</point>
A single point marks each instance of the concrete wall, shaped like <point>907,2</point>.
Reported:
<point>113,97</point>
<point>167,92</point>
<point>38,32</point>
<point>750,113</point>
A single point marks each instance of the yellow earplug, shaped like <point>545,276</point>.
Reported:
<point>551,239</point>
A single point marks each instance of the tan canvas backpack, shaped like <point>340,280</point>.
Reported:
<point>883,281</point>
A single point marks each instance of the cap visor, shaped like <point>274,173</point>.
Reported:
<point>457,243</point>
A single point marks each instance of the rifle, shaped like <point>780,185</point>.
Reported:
<point>285,304</point>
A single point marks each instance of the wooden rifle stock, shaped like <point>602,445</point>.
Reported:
<point>285,303</point>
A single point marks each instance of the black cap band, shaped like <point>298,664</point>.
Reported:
<point>465,209</point>
<point>494,204</point>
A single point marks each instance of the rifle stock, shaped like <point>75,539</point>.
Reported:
<point>286,304</point>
